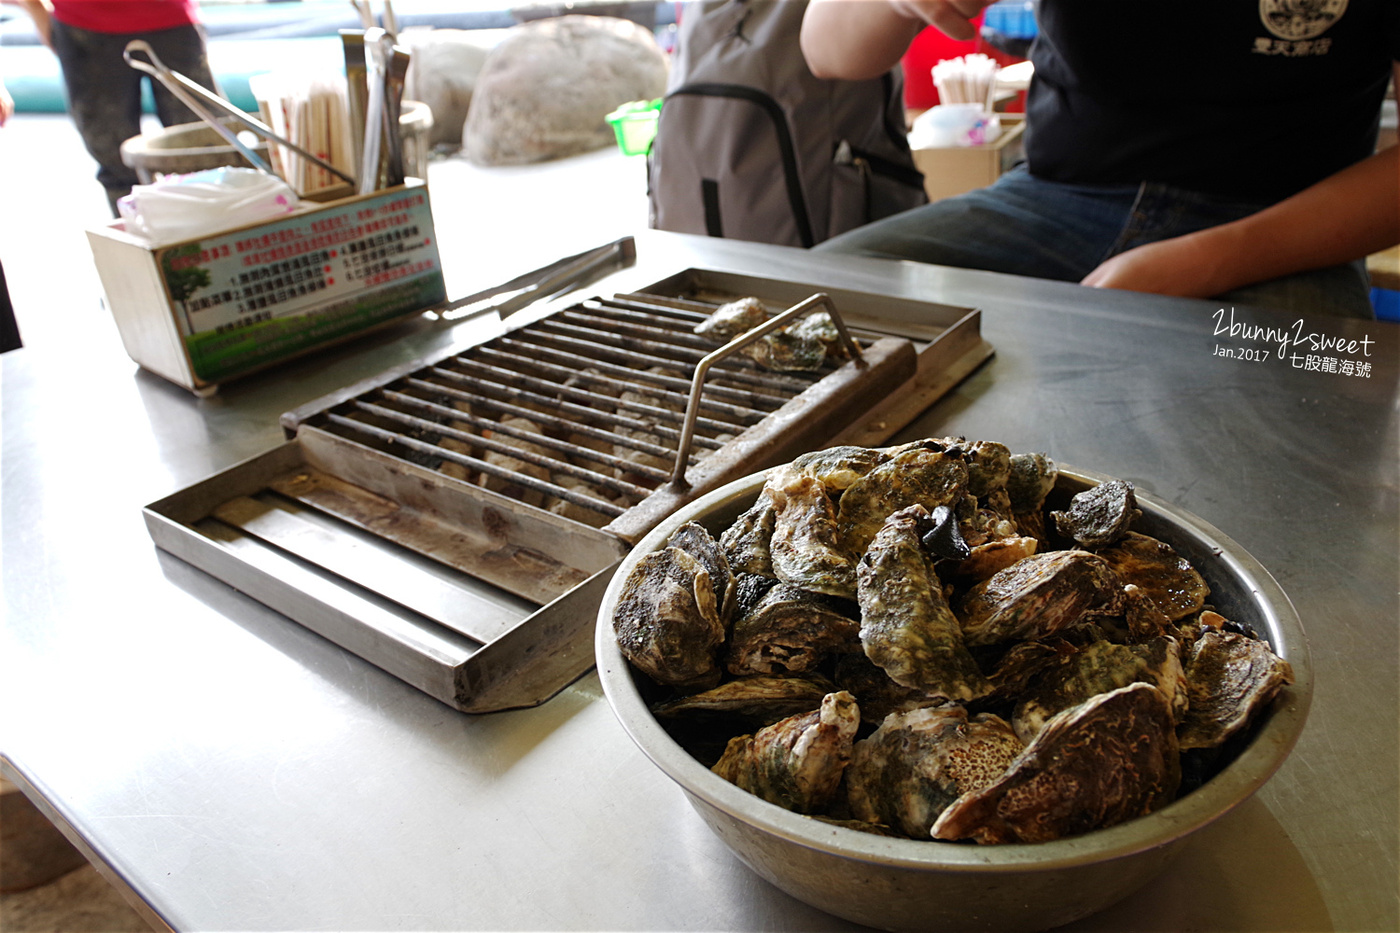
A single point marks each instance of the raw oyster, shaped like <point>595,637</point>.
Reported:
<point>1099,516</point>
<point>907,627</point>
<point>787,352</point>
<point>746,542</point>
<point>1036,597</point>
<point>919,474</point>
<point>820,326</point>
<point>1020,664</point>
<point>760,700</point>
<point>1029,479</point>
<point>988,464</point>
<point>797,762</point>
<point>1174,585</point>
<point>1081,650</point>
<point>1143,619</point>
<point>982,525</point>
<point>749,589</point>
<point>1098,668</point>
<point>790,629</point>
<point>1095,765</point>
<point>1230,678</point>
<point>732,319</point>
<point>873,689</point>
<point>697,541</point>
<point>839,467</point>
<point>1028,482</point>
<point>917,763</point>
<point>667,622</point>
<point>987,559</point>
<point>805,547</point>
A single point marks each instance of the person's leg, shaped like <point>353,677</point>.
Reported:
<point>1020,225</point>
<point>182,50</point>
<point>104,99</point>
<point>9,329</point>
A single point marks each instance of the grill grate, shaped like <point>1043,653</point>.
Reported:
<point>579,413</point>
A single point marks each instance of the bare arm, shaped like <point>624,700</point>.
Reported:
<point>1345,216</point>
<point>860,39</point>
<point>39,13</point>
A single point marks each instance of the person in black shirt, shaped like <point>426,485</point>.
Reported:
<point>1206,148</point>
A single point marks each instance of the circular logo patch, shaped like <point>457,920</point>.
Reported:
<point>1300,19</point>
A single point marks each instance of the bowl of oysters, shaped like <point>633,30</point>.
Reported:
<point>944,685</point>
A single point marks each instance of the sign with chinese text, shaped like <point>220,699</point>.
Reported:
<point>253,296</point>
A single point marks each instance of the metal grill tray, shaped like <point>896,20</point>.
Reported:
<point>484,601</point>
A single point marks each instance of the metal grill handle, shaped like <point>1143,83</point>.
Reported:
<point>702,368</point>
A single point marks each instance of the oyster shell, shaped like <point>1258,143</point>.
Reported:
<point>697,541</point>
<point>1095,765</point>
<point>920,475</point>
<point>1230,678</point>
<point>761,700</point>
<point>806,544</point>
<point>839,467</point>
<point>917,763</point>
<point>749,589</point>
<point>1153,566</point>
<point>1098,668</point>
<point>667,622</point>
<point>1081,650</point>
<point>747,541</point>
<point>790,629</point>
<point>820,326</point>
<point>1029,479</point>
<point>873,689</point>
<point>907,627</point>
<point>1020,664</point>
<point>732,319</point>
<point>1099,516</point>
<point>797,762</point>
<point>1036,597</point>
<point>988,464</point>
<point>992,557</point>
<point>1143,619</point>
<point>787,352</point>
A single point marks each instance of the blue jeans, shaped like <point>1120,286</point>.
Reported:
<point>104,92</point>
<point>1023,225</point>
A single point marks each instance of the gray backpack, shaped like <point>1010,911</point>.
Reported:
<point>751,145</point>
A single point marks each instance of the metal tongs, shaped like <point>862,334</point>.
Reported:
<point>571,271</point>
<point>385,68</point>
<point>199,100</point>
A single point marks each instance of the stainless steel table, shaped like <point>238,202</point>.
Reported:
<point>234,771</point>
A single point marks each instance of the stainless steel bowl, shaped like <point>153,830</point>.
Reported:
<point>907,884</point>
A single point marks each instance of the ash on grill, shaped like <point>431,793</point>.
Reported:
<point>579,413</point>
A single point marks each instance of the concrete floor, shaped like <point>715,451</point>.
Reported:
<point>492,224</point>
<point>80,901</point>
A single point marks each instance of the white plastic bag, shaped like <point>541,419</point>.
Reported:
<point>954,125</point>
<point>183,207</point>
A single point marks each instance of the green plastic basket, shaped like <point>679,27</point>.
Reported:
<point>634,124</point>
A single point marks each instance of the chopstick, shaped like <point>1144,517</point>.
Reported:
<point>187,91</point>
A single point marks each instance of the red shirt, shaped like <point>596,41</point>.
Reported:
<point>125,16</point>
